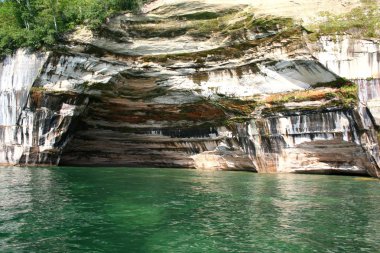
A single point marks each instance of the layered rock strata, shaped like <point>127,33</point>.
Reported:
<point>207,87</point>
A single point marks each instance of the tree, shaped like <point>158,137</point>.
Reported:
<point>37,23</point>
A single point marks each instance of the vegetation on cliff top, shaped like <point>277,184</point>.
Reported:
<point>38,23</point>
<point>360,22</point>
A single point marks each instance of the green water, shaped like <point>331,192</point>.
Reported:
<point>163,210</point>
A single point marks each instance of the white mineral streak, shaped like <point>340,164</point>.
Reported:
<point>296,143</point>
<point>350,58</point>
<point>305,128</point>
<point>359,61</point>
<point>282,77</point>
<point>369,95</point>
<point>22,129</point>
<point>305,143</point>
<point>17,75</point>
<point>75,73</point>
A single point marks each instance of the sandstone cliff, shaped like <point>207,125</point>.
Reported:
<point>195,85</point>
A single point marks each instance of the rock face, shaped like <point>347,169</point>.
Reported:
<point>17,74</point>
<point>197,86</point>
<point>311,142</point>
<point>350,58</point>
<point>297,9</point>
<point>34,125</point>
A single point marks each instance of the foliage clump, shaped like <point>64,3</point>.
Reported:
<point>343,96</point>
<point>361,21</point>
<point>38,23</point>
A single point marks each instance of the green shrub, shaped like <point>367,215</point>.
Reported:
<point>41,23</point>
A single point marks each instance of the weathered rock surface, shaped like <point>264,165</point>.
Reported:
<point>350,58</point>
<point>304,9</point>
<point>202,86</point>
<point>225,159</point>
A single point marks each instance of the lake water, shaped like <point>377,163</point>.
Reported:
<point>166,210</point>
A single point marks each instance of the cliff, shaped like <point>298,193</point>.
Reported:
<point>195,85</point>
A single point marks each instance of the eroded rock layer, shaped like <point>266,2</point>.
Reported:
<point>201,86</point>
